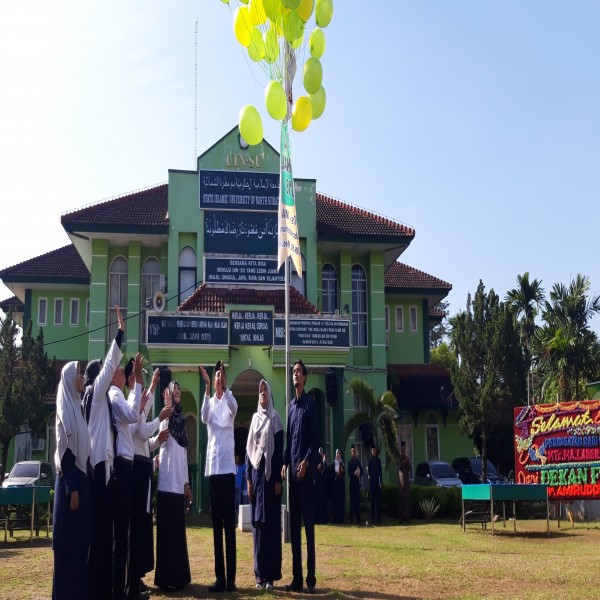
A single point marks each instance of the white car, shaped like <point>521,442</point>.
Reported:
<point>28,473</point>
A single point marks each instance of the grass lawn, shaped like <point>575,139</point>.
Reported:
<point>423,560</point>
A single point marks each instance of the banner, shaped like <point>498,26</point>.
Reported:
<point>288,241</point>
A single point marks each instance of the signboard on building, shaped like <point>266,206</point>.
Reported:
<point>231,190</point>
<point>559,445</point>
<point>183,330</point>
<point>251,327</point>
<point>309,333</point>
<point>259,271</point>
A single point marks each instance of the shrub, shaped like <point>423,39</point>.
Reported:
<point>448,499</point>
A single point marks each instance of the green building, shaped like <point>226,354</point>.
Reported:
<point>193,265</point>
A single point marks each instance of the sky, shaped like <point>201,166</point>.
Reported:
<point>475,123</point>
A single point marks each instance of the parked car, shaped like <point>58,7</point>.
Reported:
<point>28,473</point>
<point>436,472</point>
<point>470,470</point>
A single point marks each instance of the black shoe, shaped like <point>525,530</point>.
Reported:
<point>231,587</point>
<point>292,587</point>
<point>216,587</point>
<point>311,589</point>
<point>143,586</point>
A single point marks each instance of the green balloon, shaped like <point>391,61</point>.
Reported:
<point>293,27</point>
<point>276,100</point>
<point>318,101</point>
<point>256,49</point>
<point>312,75</point>
<point>273,9</point>
<point>293,4</point>
<point>298,41</point>
<point>271,45</point>
<point>323,12</point>
<point>317,43</point>
<point>250,124</point>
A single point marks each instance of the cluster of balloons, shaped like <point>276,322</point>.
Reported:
<point>273,32</point>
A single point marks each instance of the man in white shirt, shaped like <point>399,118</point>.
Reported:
<point>218,414</point>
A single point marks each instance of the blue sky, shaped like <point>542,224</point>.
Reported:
<point>476,123</point>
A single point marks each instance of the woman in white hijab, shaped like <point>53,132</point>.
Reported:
<point>72,512</point>
<point>264,458</point>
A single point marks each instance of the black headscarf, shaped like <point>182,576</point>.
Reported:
<point>177,420</point>
<point>91,372</point>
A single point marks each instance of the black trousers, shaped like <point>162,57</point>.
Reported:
<point>123,489</point>
<point>222,502</point>
<point>301,495</point>
<point>354,504</point>
<point>376,505</point>
<point>101,549</point>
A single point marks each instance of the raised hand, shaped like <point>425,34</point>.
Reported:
<point>120,318</point>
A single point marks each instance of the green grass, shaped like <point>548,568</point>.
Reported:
<point>433,559</point>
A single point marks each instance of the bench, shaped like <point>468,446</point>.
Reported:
<point>476,512</point>
<point>22,501</point>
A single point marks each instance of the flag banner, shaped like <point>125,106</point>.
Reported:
<point>288,241</point>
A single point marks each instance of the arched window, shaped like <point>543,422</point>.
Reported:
<point>296,280</point>
<point>187,273</point>
<point>117,294</point>
<point>359,306</point>
<point>329,282</point>
<point>151,281</point>
<point>432,437</point>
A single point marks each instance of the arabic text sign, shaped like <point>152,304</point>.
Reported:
<point>182,329</point>
<point>251,327</point>
<point>243,270</point>
<point>240,233</point>
<point>310,333</point>
<point>231,190</point>
<point>559,445</point>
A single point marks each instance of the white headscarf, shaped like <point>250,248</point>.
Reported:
<point>337,462</point>
<point>71,428</point>
<point>266,422</point>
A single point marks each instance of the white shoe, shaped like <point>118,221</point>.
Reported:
<point>269,586</point>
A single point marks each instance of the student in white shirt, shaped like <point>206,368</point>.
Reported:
<point>218,414</point>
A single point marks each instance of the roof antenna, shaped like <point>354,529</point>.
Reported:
<point>196,95</point>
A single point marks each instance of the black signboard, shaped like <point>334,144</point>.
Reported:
<point>234,190</point>
<point>310,333</point>
<point>251,327</point>
<point>243,270</point>
<point>183,329</point>
<point>240,233</point>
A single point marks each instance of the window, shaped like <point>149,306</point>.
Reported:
<point>58,312</point>
<point>42,311</point>
<point>87,312</point>
<point>412,311</point>
<point>151,281</point>
<point>359,306</point>
<point>330,289</point>
<point>187,273</point>
<point>399,319</point>
<point>431,437</point>
<point>297,281</point>
<point>117,293</point>
<point>74,321</point>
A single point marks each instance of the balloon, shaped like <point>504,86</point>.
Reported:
<point>276,100</point>
<point>225,1</point>
<point>272,9</point>
<point>323,12</point>
<point>257,12</point>
<point>318,102</point>
<point>293,4</point>
<point>250,124</point>
<point>301,114</point>
<point>317,43</point>
<point>244,1</point>
<point>298,41</point>
<point>271,45</point>
<point>312,76</point>
<point>256,49</point>
<point>293,27</point>
<point>241,26</point>
<point>305,9</point>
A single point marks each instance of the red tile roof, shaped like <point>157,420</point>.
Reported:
<point>145,208</point>
<point>13,304</point>
<point>214,299</point>
<point>63,264</point>
<point>403,276</point>
<point>335,217</point>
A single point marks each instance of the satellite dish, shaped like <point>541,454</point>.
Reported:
<point>159,301</point>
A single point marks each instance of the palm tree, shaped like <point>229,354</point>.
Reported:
<point>380,413</point>
<point>526,300</point>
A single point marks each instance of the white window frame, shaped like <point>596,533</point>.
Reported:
<point>329,292</point>
<point>43,321</point>
<point>433,428</point>
<point>399,319</point>
<point>357,324</point>
<point>413,316</point>
<point>123,282</point>
<point>57,313</point>
<point>74,302</point>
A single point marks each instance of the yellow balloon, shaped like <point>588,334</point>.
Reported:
<point>271,45</point>
<point>317,43</point>
<point>318,102</point>
<point>256,49</point>
<point>301,114</point>
<point>241,26</point>
<point>276,100</point>
<point>257,12</point>
<point>312,76</point>
<point>293,4</point>
<point>305,9</point>
<point>324,12</point>
<point>250,124</point>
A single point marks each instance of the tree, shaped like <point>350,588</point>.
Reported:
<point>566,350</point>
<point>439,332</point>
<point>526,300</point>
<point>25,377</point>
<point>489,376</point>
<point>381,414</point>
<point>443,356</point>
